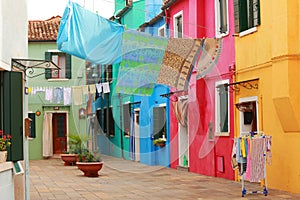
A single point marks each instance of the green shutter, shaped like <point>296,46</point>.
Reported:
<point>236,16</point>
<point>48,71</point>
<point>13,113</point>
<point>68,66</point>
<point>256,12</point>
<point>243,15</point>
<point>32,128</point>
<point>223,16</point>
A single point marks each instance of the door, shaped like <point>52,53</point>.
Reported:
<point>137,135</point>
<point>59,133</point>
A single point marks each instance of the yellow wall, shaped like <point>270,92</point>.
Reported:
<point>272,54</point>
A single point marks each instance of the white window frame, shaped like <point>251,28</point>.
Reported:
<point>180,13</point>
<point>218,19</point>
<point>163,27</point>
<point>217,109</point>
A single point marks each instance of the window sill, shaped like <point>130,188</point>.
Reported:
<point>5,166</point>
<point>222,35</point>
<point>222,133</point>
<point>58,79</point>
<point>247,32</point>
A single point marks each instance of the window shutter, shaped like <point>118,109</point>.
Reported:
<point>256,12</point>
<point>236,16</point>
<point>32,128</point>
<point>13,113</point>
<point>243,15</point>
<point>48,71</point>
<point>68,66</point>
<point>223,16</point>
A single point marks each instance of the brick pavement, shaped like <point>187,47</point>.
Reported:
<point>121,179</point>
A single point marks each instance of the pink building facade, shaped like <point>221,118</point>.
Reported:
<point>205,145</point>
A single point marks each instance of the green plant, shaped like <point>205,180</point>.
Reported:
<point>77,142</point>
<point>87,156</point>
<point>5,141</point>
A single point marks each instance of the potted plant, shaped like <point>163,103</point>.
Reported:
<point>76,142</point>
<point>160,142</point>
<point>89,163</point>
<point>5,141</point>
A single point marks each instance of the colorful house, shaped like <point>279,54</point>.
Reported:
<point>135,120</point>
<point>267,83</point>
<point>204,145</point>
<point>47,107</point>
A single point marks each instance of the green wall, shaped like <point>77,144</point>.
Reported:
<point>37,102</point>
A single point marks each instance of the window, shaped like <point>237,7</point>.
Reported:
<point>106,121</point>
<point>161,31</point>
<point>63,61</point>
<point>127,118</point>
<point>159,122</point>
<point>221,109</point>
<point>221,16</point>
<point>178,25</point>
<point>246,14</point>
<point>108,73</point>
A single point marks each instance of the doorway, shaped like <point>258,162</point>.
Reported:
<point>59,124</point>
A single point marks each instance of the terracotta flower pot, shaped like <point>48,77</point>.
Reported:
<point>69,159</point>
<point>90,169</point>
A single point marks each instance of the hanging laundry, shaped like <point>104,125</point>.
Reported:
<point>92,88</point>
<point>77,95</point>
<point>257,159</point>
<point>85,89</point>
<point>89,36</point>
<point>209,57</point>
<point>178,62</point>
<point>67,96</point>
<point>141,62</point>
<point>49,94</point>
<point>99,87</point>
<point>106,88</point>
<point>58,95</point>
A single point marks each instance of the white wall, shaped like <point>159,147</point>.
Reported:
<point>13,31</point>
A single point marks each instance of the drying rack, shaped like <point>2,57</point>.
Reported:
<point>265,189</point>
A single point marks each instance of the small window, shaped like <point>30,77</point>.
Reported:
<point>221,17</point>
<point>161,31</point>
<point>221,109</point>
<point>246,14</point>
<point>63,61</point>
<point>178,25</point>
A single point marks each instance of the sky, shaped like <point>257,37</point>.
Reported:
<point>45,9</point>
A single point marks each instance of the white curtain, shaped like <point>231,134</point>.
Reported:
<point>47,136</point>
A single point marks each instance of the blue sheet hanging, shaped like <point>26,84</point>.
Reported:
<point>89,36</point>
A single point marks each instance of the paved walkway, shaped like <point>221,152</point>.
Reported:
<point>120,179</point>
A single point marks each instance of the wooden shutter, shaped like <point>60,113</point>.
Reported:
<point>158,121</point>
<point>48,73</point>
<point>32,130</point>
<point>223,16</point>
<point>256,12</point>
<point>68,66</point>
<point>236,16</point>
<point>111,122</point>
<point>13,113</point>
<point>126,117</point>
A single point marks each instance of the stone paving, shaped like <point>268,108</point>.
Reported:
<point>121,179</point>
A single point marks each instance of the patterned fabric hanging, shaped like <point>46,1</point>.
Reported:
<point>179,59</point>
<point>209,57</point>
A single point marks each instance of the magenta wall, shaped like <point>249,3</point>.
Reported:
<point>199,21</point>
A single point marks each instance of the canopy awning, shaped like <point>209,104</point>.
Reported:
<point>28,66</point>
